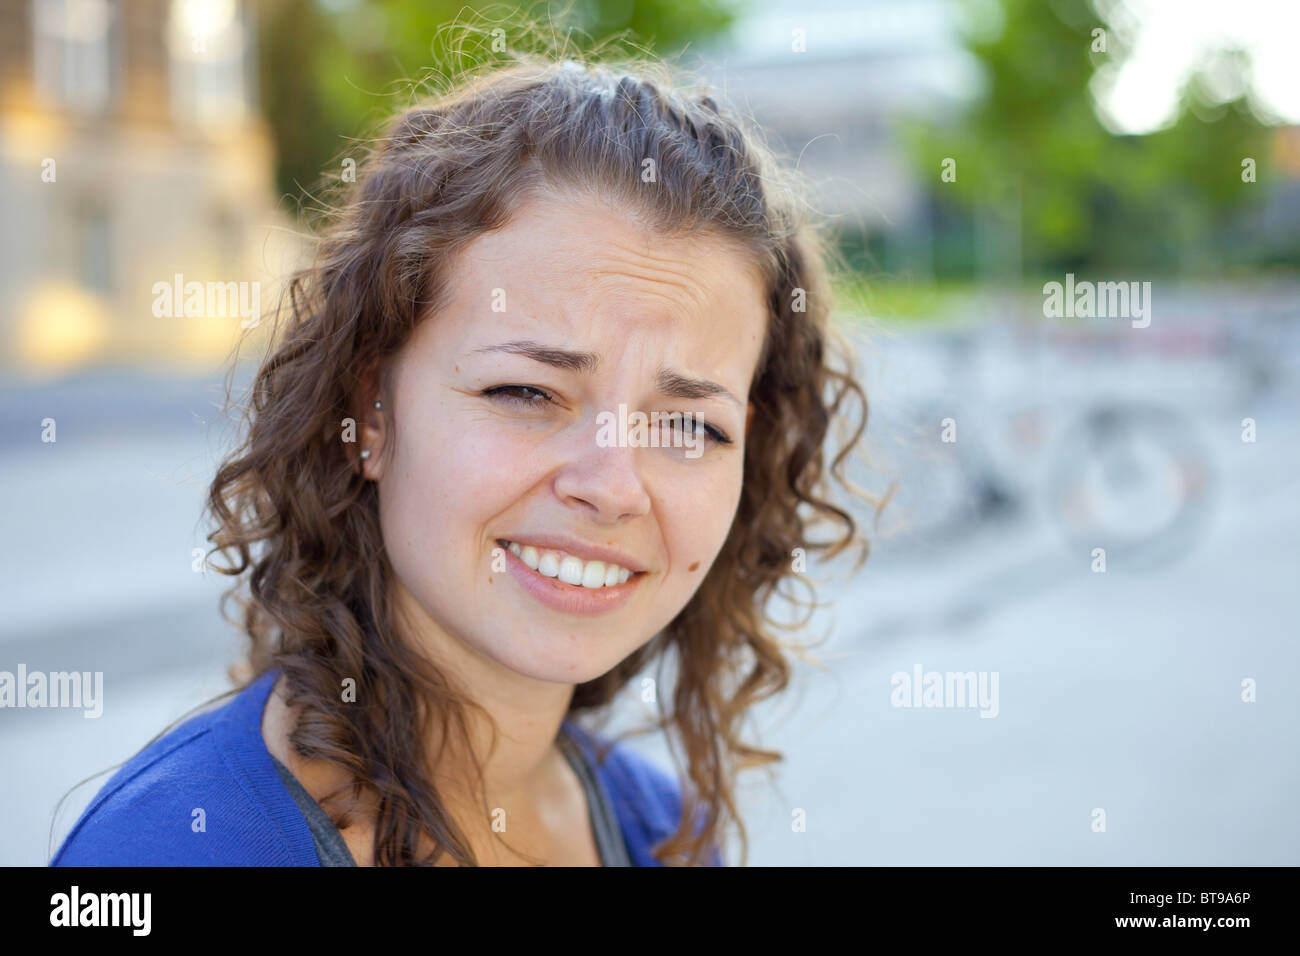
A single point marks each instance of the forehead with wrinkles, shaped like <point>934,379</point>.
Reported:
<point>590,269</point>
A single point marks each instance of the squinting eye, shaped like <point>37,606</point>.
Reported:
<point>712,433</point>
<point>517,394</point>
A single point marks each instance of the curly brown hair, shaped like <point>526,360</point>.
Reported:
<point>298,518</point>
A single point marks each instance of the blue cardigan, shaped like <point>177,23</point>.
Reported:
<point>217,762</point>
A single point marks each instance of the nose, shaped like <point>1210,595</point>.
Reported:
<point>604,484</point>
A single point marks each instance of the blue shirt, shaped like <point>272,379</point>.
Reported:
<point>207,794</point>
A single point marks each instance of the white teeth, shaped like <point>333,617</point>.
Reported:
<point>593,575</point>
<point>549,564</point>
<point>569,569</point>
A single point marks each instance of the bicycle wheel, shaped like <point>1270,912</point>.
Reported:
<point>1133,479</point>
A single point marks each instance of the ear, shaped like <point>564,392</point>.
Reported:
<point>374,428</point>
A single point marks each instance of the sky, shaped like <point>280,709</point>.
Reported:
<point>1170,37</point>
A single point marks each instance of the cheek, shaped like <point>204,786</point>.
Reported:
<point>452,474</point>
<point>698,517</point>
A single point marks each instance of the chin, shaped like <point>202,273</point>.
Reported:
<point>564,663</point>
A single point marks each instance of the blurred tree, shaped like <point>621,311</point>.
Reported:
<point>1048,185</point>
<point>330,70</point>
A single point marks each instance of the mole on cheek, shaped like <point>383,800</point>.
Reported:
<point>694,566</point>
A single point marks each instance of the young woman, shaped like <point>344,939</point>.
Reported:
<point>548,408</point>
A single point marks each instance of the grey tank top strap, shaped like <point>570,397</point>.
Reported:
<point>604,822</point>
<point>330,847</point>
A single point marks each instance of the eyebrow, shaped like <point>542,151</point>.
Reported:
<point>668,381</point>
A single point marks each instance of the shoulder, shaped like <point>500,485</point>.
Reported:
<point>647,798</point>
<point>197,796</point>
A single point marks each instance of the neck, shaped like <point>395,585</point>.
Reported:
<point>526,713</point>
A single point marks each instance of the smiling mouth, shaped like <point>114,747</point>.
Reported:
<point>568,568</point>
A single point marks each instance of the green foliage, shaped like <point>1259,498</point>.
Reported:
<point>1033,155</point>
<point>332,70</point>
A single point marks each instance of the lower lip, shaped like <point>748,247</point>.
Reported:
<point>570,598</point>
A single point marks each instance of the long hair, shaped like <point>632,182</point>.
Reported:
<point>295,517</point>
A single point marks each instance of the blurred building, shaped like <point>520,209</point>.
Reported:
<point>831,81</point>
<point>131,154</point>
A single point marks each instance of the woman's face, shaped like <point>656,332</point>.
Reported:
<point>570,311</point>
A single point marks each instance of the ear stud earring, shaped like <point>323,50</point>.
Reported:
<point>365,453</point>
<point>379,404</point>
